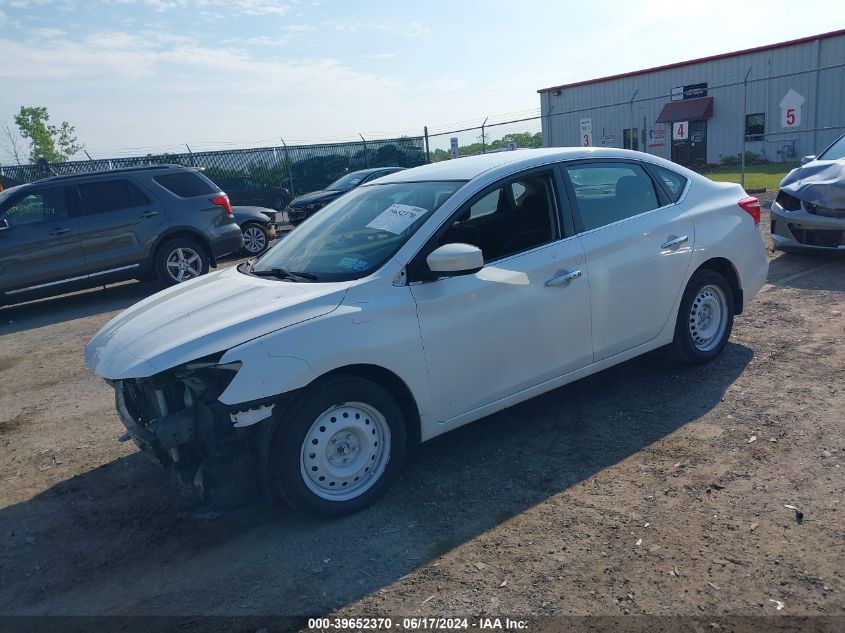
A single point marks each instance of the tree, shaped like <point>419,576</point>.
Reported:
<point>11,143</point>
<point>55,143</point>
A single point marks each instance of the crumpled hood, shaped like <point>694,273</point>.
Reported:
<point>820,182</point>
<point>316,196</point>
<point>203,316</point>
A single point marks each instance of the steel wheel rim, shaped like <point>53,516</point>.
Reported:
<point>184,263</point>
<point>254,239</point>
<point>708,318</point>
<point>355,432</point>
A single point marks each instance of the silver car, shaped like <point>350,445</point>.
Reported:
<point>809,211</point>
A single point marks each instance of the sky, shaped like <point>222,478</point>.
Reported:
<point>149,76</point>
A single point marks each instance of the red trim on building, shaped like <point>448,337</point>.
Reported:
<point>634,73</point>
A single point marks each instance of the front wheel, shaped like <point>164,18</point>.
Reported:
<point>336,449</point>
<point>705,318</point>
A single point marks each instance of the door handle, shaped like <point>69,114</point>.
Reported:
<point>148,214</point>
<point>57,232</point>
<point>562,279</point>
<point>675,241</point>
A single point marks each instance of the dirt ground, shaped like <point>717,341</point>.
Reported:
<point>649,488</point>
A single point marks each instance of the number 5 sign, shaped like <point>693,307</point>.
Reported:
<point>790,109</point>
<point>680,130</point>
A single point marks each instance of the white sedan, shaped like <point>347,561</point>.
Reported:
<point>421,302</point>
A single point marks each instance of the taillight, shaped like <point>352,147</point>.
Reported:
<point>751,206</point>
<point>223,201</point>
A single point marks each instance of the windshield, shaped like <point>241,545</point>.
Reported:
<point>355,235</point>
<point>835,151</point>
<point>347,182</point>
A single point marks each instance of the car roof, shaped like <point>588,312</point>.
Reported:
<point>107,172</point>
<point>470,167</point>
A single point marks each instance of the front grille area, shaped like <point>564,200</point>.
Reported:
<point>788,202</point>
<point>818,237</point>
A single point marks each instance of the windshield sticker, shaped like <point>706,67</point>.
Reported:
<point>353,263</point>
<point>396,218</point>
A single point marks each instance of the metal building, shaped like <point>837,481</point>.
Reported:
<point>770,104</point>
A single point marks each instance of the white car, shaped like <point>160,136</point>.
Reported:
<point>421,302</point>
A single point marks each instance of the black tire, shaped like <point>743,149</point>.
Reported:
<point>255,226</point>
<point>170,249</point>
<point>689,342</point>
<point>282,446</point>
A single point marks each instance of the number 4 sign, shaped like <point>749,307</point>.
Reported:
<point>680,130</point>
<point>790,109</point>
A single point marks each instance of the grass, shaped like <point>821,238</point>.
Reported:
<point>766,176</point>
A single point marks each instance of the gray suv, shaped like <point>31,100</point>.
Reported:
<point>66,233</point>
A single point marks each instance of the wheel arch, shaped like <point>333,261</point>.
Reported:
<point>725,268</point>
<point>182,232</point>
<point>397,388</point>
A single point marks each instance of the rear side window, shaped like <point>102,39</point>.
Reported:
<point>110,195</point>
<point>609,192</point>
<point>186,184</point>
<point>673,183</point>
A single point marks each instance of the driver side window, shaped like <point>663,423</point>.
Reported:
<point>39,206</point>
<point>514,217</point>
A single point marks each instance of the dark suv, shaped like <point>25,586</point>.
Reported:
<point>66,233</point>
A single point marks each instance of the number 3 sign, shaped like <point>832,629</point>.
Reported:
<point>680,130</point>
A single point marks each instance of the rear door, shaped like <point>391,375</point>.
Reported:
<point>119,224</point>
<point>39,241</point>
<point>638,246</point>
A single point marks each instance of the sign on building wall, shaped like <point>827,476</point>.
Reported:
<point>692,91</point>
<point>454,147</point>
<point>790,109</point>
<point>586,132</point>
<point>656,137</point>
<point>680,130</point>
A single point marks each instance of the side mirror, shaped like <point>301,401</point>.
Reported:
<point>455,259</point>
<point>4,224</point>
<point>807,159</point>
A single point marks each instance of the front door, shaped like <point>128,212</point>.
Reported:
<point>691,149</point>
<point>119,224</point>
<point>517,322</point>
<point>638,247</point>
<point>40,250</point>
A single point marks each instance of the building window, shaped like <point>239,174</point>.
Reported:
<point>630,138</point>
<point>755,126</point>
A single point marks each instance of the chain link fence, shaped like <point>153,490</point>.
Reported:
<point>267,176</point>
<point>743,128</point>
<point>485,138</point>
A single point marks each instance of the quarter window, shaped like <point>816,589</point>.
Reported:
<point>515,217</point>
<point>673,182</point>
<point>609,192</point>
<point>39,206</point>
<point>186,184</point>
<point>110,195</point>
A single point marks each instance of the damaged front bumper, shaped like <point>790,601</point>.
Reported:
<point>175,417</point>
<point>800,225</point>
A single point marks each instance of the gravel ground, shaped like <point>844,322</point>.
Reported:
<point>649,488</point>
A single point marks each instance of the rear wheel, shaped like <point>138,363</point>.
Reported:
<point>179,260</point>
<point>705,318</point>
<point>256,238</point>
<point>336,449</point>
